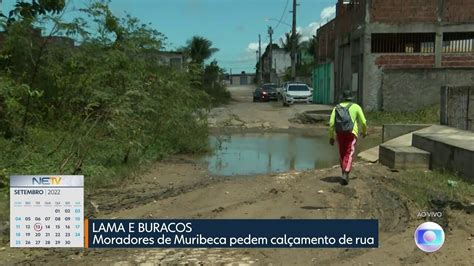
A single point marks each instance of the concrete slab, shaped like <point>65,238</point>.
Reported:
<point>450,148</point>
<point>404,157</point>
<point>372,155</point>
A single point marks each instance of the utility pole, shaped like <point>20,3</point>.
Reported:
<point>293,43</point>
<point>270,57</point>
<point>260,71</point>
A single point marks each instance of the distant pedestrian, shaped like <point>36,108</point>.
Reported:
<point>346,118</point>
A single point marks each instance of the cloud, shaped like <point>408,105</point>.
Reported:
<point>253,46</point>
<point>308,31</point>
<point>328,13</point>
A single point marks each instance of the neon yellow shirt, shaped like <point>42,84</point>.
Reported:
<point>357,116</point>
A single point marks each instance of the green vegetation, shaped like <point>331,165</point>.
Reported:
<point>421,186</point>
<point>428,115</point>
<point>102,108</point>
<point>199,49</point>
<point>286,42</point>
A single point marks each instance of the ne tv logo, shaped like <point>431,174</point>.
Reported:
<point>47,181</point>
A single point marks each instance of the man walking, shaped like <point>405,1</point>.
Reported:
<point>344,124</point>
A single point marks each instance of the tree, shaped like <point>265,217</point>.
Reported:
<point>200,49</point>
<point>96,106</point>
<point>286,41</point>
<point>312,45</point>
<point>27,10</point>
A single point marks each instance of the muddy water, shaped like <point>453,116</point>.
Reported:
<point>249,154</point>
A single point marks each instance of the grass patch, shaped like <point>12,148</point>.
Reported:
<point>428,115</point>
<point>421,186</point>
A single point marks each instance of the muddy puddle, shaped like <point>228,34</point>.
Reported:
<point>250,154</point>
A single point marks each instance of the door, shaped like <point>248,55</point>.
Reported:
<point>323,84</point>
<point>458,103</point>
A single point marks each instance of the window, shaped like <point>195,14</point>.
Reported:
<point>403,42</point>
<point>458,42</point>
<point>298,88</point>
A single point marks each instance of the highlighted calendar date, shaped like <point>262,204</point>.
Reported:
<point>47,211</point>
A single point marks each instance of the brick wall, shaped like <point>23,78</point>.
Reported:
<point>421,11</point>
<point>326,42</point>
<point>458,11</point>
<point>406,11</point>
<point>349,17</point>
<point>458,60</point>
<point>405,61</point>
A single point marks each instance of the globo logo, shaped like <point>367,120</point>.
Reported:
<point>429,237</point>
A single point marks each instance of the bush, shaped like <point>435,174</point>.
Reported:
<point>102,109</point>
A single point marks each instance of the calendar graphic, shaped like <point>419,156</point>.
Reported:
<point>47,211</point>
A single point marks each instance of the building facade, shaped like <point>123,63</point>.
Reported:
<point>396,55</point>
<point>275,70</point>
<point>241,79</point>
<point>175,60</point>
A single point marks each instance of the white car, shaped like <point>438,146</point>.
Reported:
<point>296,93</point>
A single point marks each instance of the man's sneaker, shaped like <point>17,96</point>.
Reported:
<point>345,178</point>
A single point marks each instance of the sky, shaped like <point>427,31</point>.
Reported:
<point>232,25</point>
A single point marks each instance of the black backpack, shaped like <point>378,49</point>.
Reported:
<point>343,119</point>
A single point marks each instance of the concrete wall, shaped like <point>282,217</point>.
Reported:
<point>391,131</point>
<point>452,150</point>
<point>371,90</point>
<point>282,60</point>
<point>414,89</point>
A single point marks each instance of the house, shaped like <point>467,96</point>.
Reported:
<point>174,60</point>
<point>395,56</point>
<point>241,79</point>
<point>275,71</point>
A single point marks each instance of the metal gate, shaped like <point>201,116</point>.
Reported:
<point>323,83</point>
<point>457,107</point>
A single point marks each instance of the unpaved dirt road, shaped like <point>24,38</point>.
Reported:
<point>181,187</point>
<point>244,113</point>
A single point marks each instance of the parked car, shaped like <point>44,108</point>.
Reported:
<point>296,92</point>
<point>266,92</point>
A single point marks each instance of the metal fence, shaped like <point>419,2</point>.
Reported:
<point>458,42</point>
<point>403,42</point>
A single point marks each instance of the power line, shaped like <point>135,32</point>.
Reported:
<point>282,15</point>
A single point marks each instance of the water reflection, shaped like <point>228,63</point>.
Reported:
<point>264,153</point>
